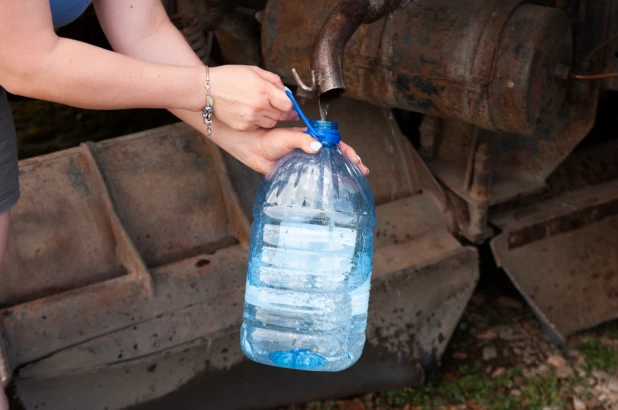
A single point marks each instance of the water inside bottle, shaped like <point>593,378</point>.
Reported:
<point>303,300</point>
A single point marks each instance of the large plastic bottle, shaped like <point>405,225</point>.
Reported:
<point>307,290</point>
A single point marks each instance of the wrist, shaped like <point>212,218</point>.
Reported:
<point>207,114</point>
<point>198,92</point>
<point>217,86</point>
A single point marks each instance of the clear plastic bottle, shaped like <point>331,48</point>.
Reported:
<point>307,290</point>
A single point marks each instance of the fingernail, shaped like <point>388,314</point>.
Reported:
<point>359,158</point>
<point>315,146</point>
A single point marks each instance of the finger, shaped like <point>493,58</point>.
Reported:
<point>266,122</point>
<point>349,152</point>
<point>272,78</point>
<point>264,166</point>
<point>243,126</point>
<point>362,167</point>
<point>301,140</point>
<point>291,116</point>
<point>279,99</point>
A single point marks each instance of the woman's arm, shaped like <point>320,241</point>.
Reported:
<point>35,62</point>
<point>143,30</point>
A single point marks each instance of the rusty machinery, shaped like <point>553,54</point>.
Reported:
<point>135,249</point>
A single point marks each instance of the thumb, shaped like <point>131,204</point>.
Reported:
<point>303,141</point>
<point>278,142</point>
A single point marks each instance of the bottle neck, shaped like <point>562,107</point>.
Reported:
<point>327,132</point>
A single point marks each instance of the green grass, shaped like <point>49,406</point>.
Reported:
<point>540,392</point>
<point>599,356</point>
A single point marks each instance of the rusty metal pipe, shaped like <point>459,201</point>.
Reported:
<point>341,24</point>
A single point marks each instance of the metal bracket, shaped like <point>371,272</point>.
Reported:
<point>307,89</point>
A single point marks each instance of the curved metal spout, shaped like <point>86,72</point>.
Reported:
<point>341,24</point>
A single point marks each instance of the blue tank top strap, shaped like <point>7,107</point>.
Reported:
<point>66,11</point>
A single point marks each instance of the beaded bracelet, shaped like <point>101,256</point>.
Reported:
<point>208,111</point>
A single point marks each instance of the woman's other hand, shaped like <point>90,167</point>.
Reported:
<point>247,98</point>
<point>261,149</point>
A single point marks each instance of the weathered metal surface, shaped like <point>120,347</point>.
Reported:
<point>521,165</point>
<point>176,226</point>
<point>610,51</point>
<point>480,187</point>
<point>561,254</point>
<point>156,213</point>
<point>429,132</point>
<point>84,251</point>
<point>487,62</point>
<point>194,33</point>
<point>453,164</point>
<point>214,284</point>
<point>238,39</point>
<point>209,12</point>
<point>598,24</point>
<point>526,96</point>
<point>408,325</point>
<point>594,165</point>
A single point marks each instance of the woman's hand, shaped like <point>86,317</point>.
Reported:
<point>261,149</point>
<point>266,147</point>
<point>247,98</point>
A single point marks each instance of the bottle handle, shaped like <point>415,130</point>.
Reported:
<point>310,130</point>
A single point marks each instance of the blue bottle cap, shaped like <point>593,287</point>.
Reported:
<point>323,131</point>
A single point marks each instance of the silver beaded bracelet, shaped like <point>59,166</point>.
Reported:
<point>208,111</point>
